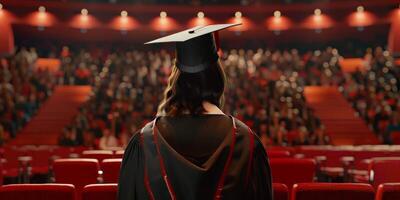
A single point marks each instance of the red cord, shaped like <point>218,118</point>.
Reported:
<point>146,176</point>
<point>251,146</point>
<point>226,167</point>
<point>162,166</point>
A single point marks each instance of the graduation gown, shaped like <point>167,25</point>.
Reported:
<point>195,158</point>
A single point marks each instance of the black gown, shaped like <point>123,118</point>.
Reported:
<point>195,158</point>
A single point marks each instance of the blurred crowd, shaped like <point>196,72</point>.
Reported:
<point>374,93</point>
<point>265,90</point>
<point>22,91</point>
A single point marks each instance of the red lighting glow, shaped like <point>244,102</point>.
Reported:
<point>5,15</point>
<point>361,18</point>
<point>278,22</point>
<point>41,18</point>
<point>124,23</point>
<point>318,21</point>
<point>84,21</point>
<point>395,14</point>
<point>239,18</point>
<point>164,23</point>
<point>200,20</point>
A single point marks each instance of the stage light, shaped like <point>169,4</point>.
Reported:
<point>163,14</point>
<point>360,9</point>
<point>277,14</point>
<point>200,15</point>
<point>124,13</point>
<point>1,6</point>
<point>238,14</point>
<point>317,12</point>
<point>42,9</point>
<point>84,12</point>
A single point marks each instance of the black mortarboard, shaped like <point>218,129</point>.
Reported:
<point>195,48</point>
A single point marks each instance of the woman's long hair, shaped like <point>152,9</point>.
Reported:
<point>186,92</point>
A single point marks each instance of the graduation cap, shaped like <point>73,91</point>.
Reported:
<point>196,47</point>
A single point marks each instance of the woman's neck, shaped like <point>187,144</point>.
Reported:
<point>211,108</point>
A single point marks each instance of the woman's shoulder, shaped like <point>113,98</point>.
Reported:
<point>246,131</point>
<point>241,126</point>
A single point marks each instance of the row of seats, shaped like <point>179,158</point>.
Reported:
<point>336,191</point>
<point>301,191</point>
<point>40,154</point>
<point>282,161</point>
<point>32,161</point>
<point>86,170</point>
<point>58,192</point>
<point>284,170</point>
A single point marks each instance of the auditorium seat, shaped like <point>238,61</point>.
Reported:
<point>100,155</point>
<point>76,171</point>
<point>278,154</point>
<point>281,191</point>
<point>119,154</point>
<point>110,168</point>
<point>381,170</point>
<point>62,152</point>
<point>37,192</point>
<point>395,136</point>
<point>388,191</point>
<point>291,150</point>
<point>292,170</point>
<point>11,165</point>
<point>100,192</point>
<point>41,160</point>
<point>1,172</point>
<point>332,191</point>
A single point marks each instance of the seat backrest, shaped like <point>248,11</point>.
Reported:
<point>381,170</point>
<point>119,154</point>
<point>332,191</point>
<point>388,191</point>
<point>100,155</point>
<point>111,168</point>
<point>291,170</point>
<point>278,154</point>
<point>37,192</point>
<point>63,152</point>
<point>395,135</point>
<point>281,191</point>
<point>76,171</point>
<point>100,192</point>
<point>1,172</point>
<point>41,158</point>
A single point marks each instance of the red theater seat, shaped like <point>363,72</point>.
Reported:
<point>100,192</point>
<point>119,154</point>
<point>395,137</point>
<point>111,169</point>
<point>388,191</point>
<point>281,191</point>
<point>41,160</point>
<point>384,170</point>
<point>291,170</point>
<point>100,155</point>
<point>76,171</point>
<point>11,164</point>
<point>278,154</point>
<point>332,191</point>
<point>37,192</point>
<point>1,173</point>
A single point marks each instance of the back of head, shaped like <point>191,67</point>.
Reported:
<point>186,92</point>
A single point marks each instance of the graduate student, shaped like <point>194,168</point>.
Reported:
<point>192,150</point>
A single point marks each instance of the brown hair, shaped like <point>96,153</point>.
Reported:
<point>186,92</point>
